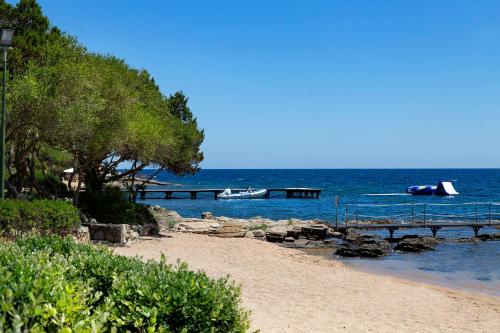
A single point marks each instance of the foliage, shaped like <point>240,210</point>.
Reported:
<point>262,226</point>
<point>52,284</point>
<point>45,216</point>
<point>109,206</point>
<point>70,107</point>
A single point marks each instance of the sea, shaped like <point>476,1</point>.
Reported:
<point>350,195</point>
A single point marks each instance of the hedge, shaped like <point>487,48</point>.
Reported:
<point>49,284</point>
<point>52,216</point>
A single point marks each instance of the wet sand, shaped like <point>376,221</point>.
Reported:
<point>287,290</point>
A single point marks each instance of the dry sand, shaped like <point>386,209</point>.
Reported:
<point>289,291</point>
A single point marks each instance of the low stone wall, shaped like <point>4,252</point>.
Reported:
<point>119,233</point>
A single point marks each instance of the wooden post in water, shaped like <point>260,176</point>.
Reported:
<point>336,212</point>
<point>476,213</point>
<point>412,212</point>
<point>356,214</point>
<point>346,218</point>
<point>489,214</point>
<point>424,214</point>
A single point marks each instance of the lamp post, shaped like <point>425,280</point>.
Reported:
<point>5,42</point>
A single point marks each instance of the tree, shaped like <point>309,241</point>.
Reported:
<point>93,110</point>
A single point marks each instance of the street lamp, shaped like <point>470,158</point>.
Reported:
<point>5,43</point>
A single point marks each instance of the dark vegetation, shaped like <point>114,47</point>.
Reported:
<point>49,284</point>
<point>110,206</point>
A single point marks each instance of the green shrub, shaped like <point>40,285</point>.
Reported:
<point>111,206</point>
<point>55,285</point>
<point>52,216</point>
<point>262,226</point>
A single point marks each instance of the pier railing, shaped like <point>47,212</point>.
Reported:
<point>409,213</point>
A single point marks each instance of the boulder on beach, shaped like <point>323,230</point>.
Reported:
<point>276,234</point>
<point>257,234</point>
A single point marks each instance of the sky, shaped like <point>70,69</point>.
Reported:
<point>316,84</point>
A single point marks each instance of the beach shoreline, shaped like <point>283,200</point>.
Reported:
<point>287,290</point>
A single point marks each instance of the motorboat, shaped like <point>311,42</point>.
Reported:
<point>421,189</point>
<point>248,194</point>
<point>442,189</point>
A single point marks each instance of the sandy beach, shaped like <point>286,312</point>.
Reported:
<point>287,290</point>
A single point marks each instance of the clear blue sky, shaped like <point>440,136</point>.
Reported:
<point>316,84</point>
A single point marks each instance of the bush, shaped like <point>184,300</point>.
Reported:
<point>52,184</point>
<point>45,216</point>
<point>262,226</point>
<point>53,284</point>
<point>110,206</point>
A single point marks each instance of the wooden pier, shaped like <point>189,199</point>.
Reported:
<point>290,192</point>
<point>433,226</point>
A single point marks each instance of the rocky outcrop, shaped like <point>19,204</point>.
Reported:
<point>276,234</point>
<point>257,234</point>
<point>363,246</point>
<point>231,229</point>
<point>415,243</point>
<point>315,231</point>
<point>304,243</point>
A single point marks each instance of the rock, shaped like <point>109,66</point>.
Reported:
<point>352,235</point>
<point>148,230</point>
<point>82,234</point>
<point>257,234</point>
<point>318,245</point>
<point>346,251</point>
<point>363,245</point>
<point>231,229</point>
<point>196,226</point>
<point>336,234</point>
<point>112,233</point>
<point>374,249</point>
<point>296,244</point>
<point>485,237</point>
<point>289,239</point>
<point>295,231</point>
<point>276,234</point>
<point>207,216</point>
<point>416,244</point>
<point>315,231</point>
<point>156,208</point>
<point>260,234</point>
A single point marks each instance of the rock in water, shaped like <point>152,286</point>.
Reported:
<point>414,243</point>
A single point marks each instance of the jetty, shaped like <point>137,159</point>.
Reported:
<point>434,227</point>
<point>290,192</point>
<point>474,215</point>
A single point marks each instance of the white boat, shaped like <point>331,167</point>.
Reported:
<point>248,194</point>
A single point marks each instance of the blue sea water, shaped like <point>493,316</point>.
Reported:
<point>463,265</point>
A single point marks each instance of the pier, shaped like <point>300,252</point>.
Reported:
<point>434,227</point>
<point>290,192</point>
<point>433,216</point>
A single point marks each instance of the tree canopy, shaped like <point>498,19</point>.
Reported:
<point>69,107</point>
